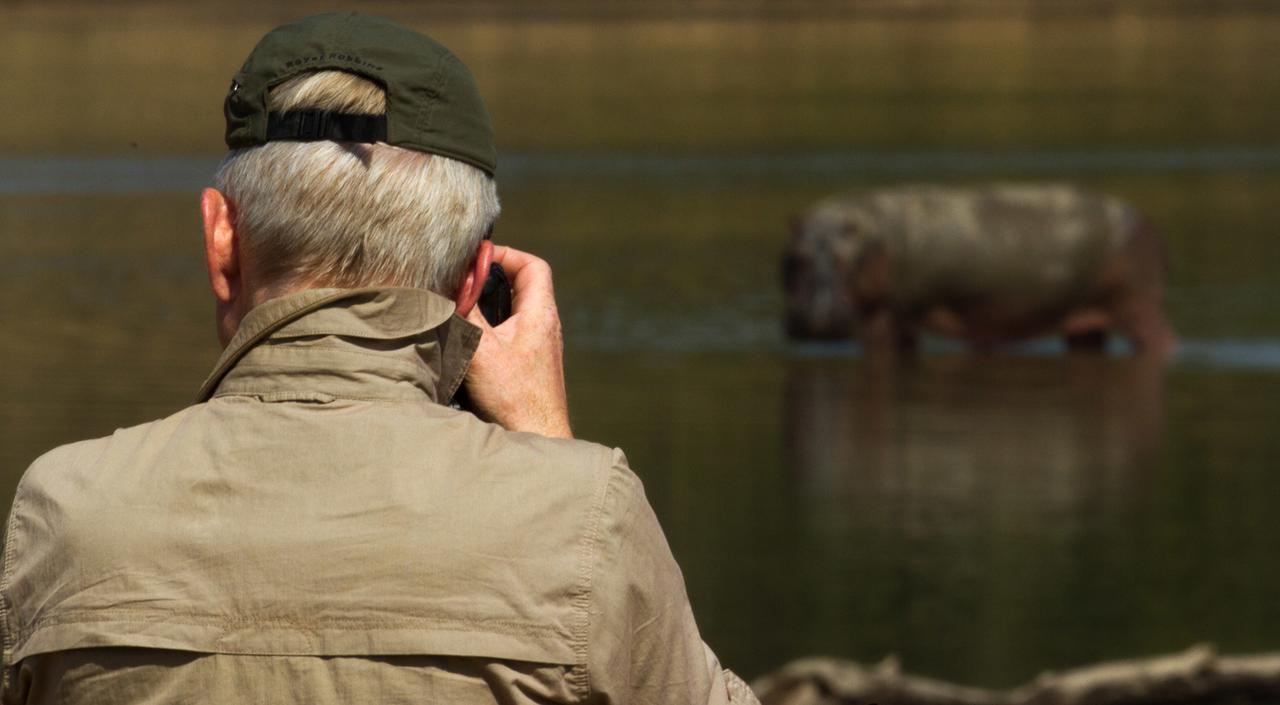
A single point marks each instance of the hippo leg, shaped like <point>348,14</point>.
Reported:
<point>884,334</point>
<point>1143,320</point>
<point>1139,303</point>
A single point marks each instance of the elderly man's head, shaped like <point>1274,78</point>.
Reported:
<point>305,209</point>
<point>347,214</point>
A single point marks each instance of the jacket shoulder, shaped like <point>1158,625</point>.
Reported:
<point>538,454</point>
<point>57,464</point>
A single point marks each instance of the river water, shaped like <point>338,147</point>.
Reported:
<point>983,517</point>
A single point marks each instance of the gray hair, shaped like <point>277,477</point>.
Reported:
<point>350,214</point>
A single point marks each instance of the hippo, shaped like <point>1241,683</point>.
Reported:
<point>989,265</point>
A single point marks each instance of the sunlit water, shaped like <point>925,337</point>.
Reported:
<point>983,517</point>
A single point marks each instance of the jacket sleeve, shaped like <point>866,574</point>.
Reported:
<point>643,645</point>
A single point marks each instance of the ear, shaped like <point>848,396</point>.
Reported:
<point>222,257</point>
<point>221,247</point>
<point>797,223</point>
<point>473,283</point>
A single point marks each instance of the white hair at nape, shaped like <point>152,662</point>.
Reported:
<point>344,214</point>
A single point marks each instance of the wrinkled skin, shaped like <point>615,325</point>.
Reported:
<point>990,265</point>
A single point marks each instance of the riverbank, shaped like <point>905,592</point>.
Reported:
<point>1197,675</point>
<point>1011,74</point>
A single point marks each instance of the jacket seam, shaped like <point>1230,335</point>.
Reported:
<point>419,399</point>
<point>286,332</point>
<point>582,600</point>
<point>338,624</point>
<point>8,640</point>
<point>401,366</point>
<point>267,350</point>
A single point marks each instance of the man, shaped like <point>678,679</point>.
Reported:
<point>321,527</point>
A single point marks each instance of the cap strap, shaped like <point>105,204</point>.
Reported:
<point>316,125</point>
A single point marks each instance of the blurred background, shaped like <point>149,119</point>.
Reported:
<point>983,517</point>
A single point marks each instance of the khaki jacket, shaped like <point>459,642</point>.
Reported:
<point>322,528</point>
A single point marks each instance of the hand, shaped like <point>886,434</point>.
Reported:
<point>516,377</point>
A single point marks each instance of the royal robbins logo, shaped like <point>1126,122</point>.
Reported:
<point>332,56</point>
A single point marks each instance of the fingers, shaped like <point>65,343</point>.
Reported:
<point>530,278</point>
<point>518,264</point>
<point>516,378</point>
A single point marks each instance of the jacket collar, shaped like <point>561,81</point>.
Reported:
<point>319,344</point>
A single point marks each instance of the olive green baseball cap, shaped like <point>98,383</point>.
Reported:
<point>433,104</point>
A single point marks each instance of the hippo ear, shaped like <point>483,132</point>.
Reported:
<point>797,223</point>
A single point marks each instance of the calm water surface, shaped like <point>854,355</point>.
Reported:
<point>982,517</point>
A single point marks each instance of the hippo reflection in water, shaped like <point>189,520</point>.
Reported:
<point>988,265</point>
